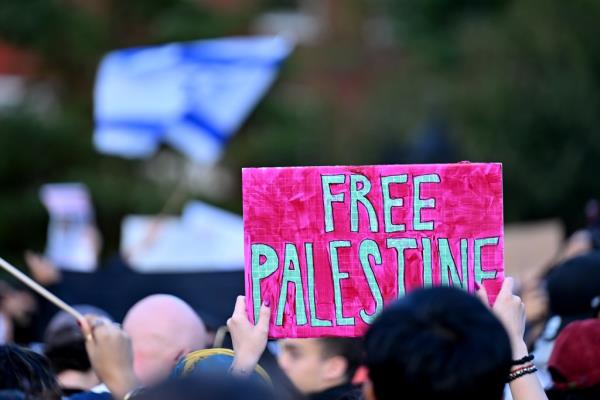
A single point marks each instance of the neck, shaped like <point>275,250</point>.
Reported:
<point>333,384</point>
<point>78,380</point>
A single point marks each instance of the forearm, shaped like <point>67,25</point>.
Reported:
<point>526,387</point>
<point>121,385</point>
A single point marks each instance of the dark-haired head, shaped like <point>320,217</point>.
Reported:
<point>64,344</point>
<point>28,372</point>
<point>438,343</point>
<point>350,349</point>
<point>208,387</point>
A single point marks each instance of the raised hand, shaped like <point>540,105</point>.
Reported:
<point>249,341</point>
<point>509,309</point>
<point>110,353</point>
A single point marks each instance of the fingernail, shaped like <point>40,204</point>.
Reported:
<point>267,302</point>
<point>78,323</point>
<point>477,287</point>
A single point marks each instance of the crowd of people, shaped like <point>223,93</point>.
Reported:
<point>434,343</point>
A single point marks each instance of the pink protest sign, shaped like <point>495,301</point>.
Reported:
<point>330,246</point>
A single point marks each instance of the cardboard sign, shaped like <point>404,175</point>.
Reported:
<point>204,238</point>
<point>329,247</point>
<point>72,237</point>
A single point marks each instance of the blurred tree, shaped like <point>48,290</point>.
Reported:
<point>515,81</point>
<point>520,83</point>
<point>53,144</point>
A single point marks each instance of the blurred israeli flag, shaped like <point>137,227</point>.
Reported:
<point>193,96</point>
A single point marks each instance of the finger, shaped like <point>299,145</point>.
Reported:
<point>90,323</point>
<point>483,296</point>
<point>98,323</point>
<point>507,287</point>
<point>265,316</point>
<point>97,320</point>
<point>86,329</point>
<point>85,325</point>
<point>240,306</point>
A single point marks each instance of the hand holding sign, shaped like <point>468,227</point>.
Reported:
<point>249,341</point>
<point>330,246</point>
<point>510,310</point>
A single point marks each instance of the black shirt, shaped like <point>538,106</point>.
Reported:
<point>342,392</point>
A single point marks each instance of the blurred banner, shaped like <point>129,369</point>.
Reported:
<point>192,96</point>
<point>73,241</point>
<point>204,238</point>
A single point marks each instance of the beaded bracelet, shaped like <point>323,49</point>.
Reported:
<point>526,359</point>
<point>517,374</point>
<point>518,368</point>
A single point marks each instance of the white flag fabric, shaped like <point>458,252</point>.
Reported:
<point>192,96</point>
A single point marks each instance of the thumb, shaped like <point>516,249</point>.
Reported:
<point>482,295</point>
<point>507,287</point>
<point>240,306</point>
<point>86,330</point>
<point>265,316</point>
<point>85,326</point>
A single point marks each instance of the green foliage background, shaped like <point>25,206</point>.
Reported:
<point>511,81</point>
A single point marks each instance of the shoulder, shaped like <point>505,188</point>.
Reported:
<point>91,396</point>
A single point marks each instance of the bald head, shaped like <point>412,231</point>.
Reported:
<point>162,328</point>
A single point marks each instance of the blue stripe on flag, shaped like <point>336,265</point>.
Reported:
<point>196,119</point>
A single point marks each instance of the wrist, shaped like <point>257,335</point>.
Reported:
<point>122,385</point>
<point>243,365</point>
<point>519,348</point>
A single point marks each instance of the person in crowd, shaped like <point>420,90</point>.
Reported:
<point>322,368</point>
<point>29,373</point>
<point>215,361</point>
<point>64,346</point>
<point>162,328</point>
<point>572,287</point>
<point>587,239</point>
<point>575,362</point>
<point>441,343</point>
<point>111,351</point>
<point>16,309</point>
<point>208,387</point>
<point>435,343</point>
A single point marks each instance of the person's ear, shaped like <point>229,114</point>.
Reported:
<point>335,368</point>
<point>368,391</point>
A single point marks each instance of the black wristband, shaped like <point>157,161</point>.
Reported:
<point>520,361</point>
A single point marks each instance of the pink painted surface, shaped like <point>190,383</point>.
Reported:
<point>285,205</point>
